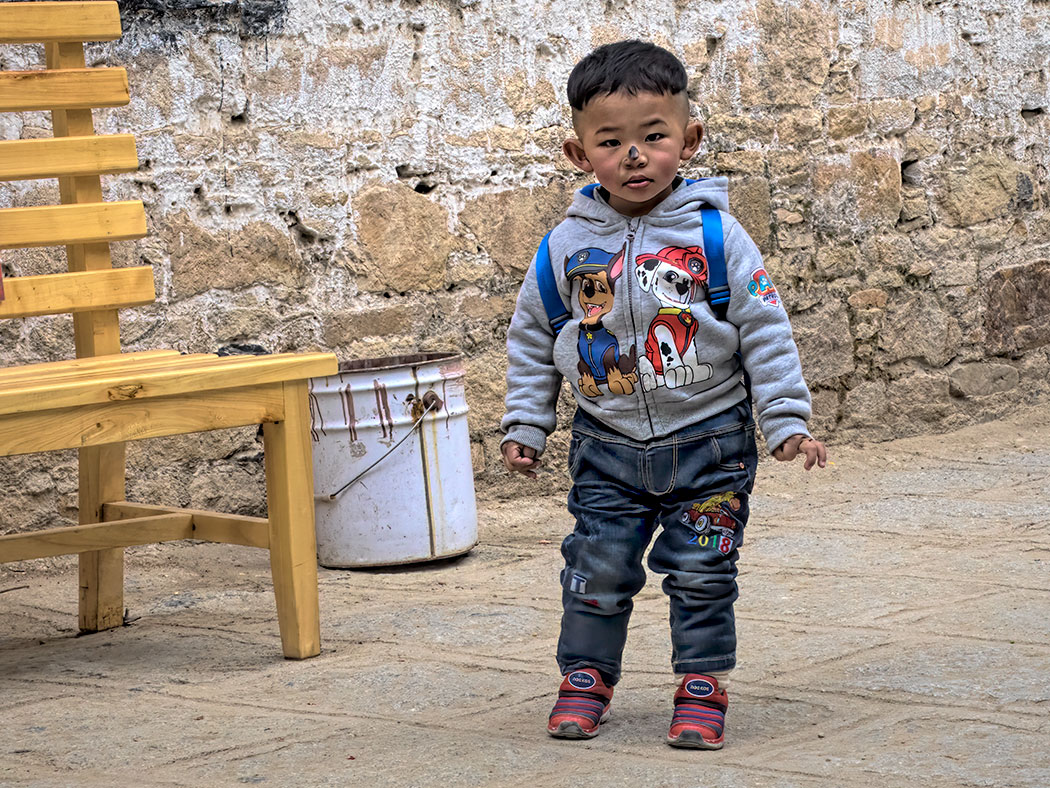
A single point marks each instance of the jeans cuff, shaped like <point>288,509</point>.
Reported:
<point>705,665</point>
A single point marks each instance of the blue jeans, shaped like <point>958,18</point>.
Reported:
<point>693,484</point>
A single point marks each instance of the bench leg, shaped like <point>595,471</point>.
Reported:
<point>101,571</point>
<point>293,545</point>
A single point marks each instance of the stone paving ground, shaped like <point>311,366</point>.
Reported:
<point>894,631</point>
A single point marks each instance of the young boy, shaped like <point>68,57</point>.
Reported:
<point>663,440</point>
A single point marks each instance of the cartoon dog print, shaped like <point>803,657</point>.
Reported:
<point>675,275</point>
<point>600,360</point>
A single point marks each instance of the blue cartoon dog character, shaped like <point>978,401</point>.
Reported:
<point>600,360</point>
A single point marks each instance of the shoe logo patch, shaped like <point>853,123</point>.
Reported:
<point>581,680</point>
<point>699,688</point>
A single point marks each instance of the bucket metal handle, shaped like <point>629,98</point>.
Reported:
<point>430,401</point>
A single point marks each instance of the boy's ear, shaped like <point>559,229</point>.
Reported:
<point>574,152</point>
<point>694,133</point>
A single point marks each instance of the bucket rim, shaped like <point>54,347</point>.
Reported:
<point>394,362</point>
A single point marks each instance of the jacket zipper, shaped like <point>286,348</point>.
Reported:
<point>633,225</point>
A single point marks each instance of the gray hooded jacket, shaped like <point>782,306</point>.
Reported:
<point>643,350</point>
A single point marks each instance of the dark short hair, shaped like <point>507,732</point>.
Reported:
<point>632,67</point>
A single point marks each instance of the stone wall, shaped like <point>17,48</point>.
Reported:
<point>373,177</point>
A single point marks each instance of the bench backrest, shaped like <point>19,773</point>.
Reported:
<point>92,290</point>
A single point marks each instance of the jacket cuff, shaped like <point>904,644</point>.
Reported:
<point>779,429</point>
<point>527,435</point>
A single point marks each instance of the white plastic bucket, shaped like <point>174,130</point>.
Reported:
<point>416,503</point>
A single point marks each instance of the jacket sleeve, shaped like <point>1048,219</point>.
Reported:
<point>533,382</point>
<point>767,347</point>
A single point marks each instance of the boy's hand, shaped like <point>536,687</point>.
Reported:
<point>520,459</point>
<point>814,450</point>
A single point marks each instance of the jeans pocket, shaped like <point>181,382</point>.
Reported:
<point>576,446</point>
<point>738,454</point>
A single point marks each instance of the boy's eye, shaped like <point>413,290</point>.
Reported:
<point>608,143</point>
<point>656,136</point>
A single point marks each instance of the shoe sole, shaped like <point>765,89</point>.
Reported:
<point>691,740</point>
<point>572,730</point>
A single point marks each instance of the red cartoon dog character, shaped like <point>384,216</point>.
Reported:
<point>675,275</point>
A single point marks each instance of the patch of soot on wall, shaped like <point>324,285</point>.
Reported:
<point>170,18</point>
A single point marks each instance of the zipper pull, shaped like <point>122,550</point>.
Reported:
<point>630,229</point>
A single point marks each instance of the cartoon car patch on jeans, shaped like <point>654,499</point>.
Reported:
<point>715,521</point>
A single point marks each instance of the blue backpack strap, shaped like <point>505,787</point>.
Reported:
<point>718,277</point>
<point>557,313</point>
<point>714,250</point>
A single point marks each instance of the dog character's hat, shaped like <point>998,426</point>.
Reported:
<point>594,261</point>
<point>689,260</point>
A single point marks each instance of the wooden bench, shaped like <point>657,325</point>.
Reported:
<point>103,398</point>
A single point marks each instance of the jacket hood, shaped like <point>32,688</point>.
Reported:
<point>589,205</point>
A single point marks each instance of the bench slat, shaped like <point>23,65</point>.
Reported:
<point>178,378</point>
<point>92,363</point>
<point>35,23</point>
<point>129,370</point>
<point>59,225</point>
<point>85,291</point>
<point>72,88</point>
<point>53,158</point>
<point>116,422</point>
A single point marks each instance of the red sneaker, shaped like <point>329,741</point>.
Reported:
<point>699,714</point>
<point>583,705</point>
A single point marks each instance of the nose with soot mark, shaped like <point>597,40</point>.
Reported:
<point>633,154</point>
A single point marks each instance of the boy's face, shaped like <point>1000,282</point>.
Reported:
<point>634,145</point>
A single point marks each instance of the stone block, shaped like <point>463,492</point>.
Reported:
<point>825,412</point>
<point>202,260</point>
<point>824,343</point>
<point>848,121</point>
<point>982,379</point>
<point>405,239</point>
<point>979,189</point>
<point>916,402</point>
<point>868,299</point>
<point>920,145</point>
<point>799,127</point>
<point>919,328</point>
<point>509,225</point>
<point>749,202</point>
<point>789,63</point>
<point>834,262</point>
<point>865,405</point>
<point>1017,316</point>
<point>729,132</point>
<point>745,162</point>
<point>344,327</point>
<point>789,169</point>
<point>486,381</point>
<point>893,117</point>
<point>794,237</point>
<point>853,197</point>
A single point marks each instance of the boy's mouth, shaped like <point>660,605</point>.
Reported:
<point>639,182</point>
